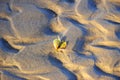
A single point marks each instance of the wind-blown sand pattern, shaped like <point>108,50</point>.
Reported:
<point>90,27</point>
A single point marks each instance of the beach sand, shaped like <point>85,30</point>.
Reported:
<point>91,29</point>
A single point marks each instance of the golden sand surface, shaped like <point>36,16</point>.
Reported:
<point>91,29</point>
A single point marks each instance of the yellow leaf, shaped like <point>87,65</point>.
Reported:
<point>56,43</point>
<point>63,45</point>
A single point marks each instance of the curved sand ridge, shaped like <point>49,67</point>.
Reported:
<point>91,27</point>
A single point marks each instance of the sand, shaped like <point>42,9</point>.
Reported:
<point>91,29</point>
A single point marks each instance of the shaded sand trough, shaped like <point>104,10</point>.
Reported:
<point>28,28</point>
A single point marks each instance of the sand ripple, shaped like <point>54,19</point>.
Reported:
<point>91,27</point>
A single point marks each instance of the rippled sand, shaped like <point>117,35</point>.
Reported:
<point>28,28</point>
